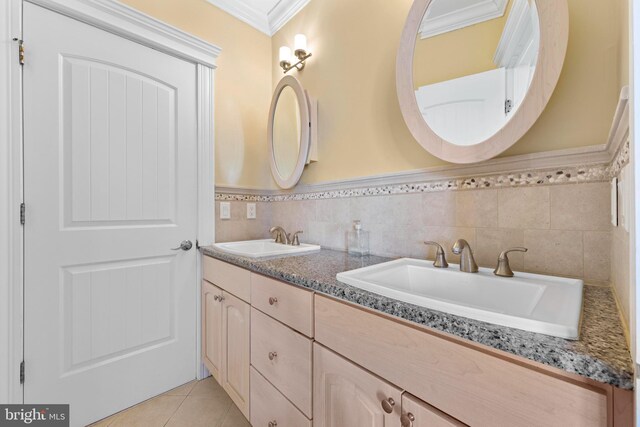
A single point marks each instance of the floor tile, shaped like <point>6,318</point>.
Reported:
<point>183,390</point>
<point>201,411</point>
<point>235,418</point>
<point>208,387</point>
<point>152,413</point>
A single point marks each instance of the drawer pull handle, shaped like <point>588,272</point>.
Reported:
<point>388,404</point>
<point>216,297</point>
<point>221,298</point>
<point>406,420</point>
<point>273,423</point>
<point>273,300</point>
<point>272,355</point>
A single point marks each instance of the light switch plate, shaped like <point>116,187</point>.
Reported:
<point>251,211</point>
<point>225,210</point>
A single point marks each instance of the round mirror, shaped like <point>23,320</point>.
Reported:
<point>474,75</point>
<point>288,132</point>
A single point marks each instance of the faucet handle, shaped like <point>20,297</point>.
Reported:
<point>441,260</point>
<point>280,234</point>
<point>503,268</point>
<point>295,241</point>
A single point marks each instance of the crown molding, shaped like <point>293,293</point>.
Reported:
<point>461,18</point>
<point>283,11</point>
<point>115,17</point>
<point>268,23</point>
<point>245,13</point>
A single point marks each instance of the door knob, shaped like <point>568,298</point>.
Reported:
<point>388,404</point>
<point>273,300</point>
<point>272,355</point>
<point>185,245</point>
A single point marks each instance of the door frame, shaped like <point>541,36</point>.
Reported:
<point>126,22</point>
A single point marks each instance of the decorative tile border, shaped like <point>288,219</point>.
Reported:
<point>569,175</point>
<point>620,160</point>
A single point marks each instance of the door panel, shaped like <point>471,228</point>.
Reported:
<point>212,328</point>
<point>114,114</point>
<point>347,395</point>
<point>236,354</point>
<point>110,145</point>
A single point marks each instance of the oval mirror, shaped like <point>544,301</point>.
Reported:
<point>473,76</point>
<point>288,132</point>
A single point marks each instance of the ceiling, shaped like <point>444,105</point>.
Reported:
<point>267,16</point>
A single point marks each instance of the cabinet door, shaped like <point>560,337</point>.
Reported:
<point>212,328</point>
<point>235,350</point>
<point>347,395</point>
<point>416,413</point>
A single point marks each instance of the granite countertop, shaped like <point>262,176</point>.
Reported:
<point>600,354</point>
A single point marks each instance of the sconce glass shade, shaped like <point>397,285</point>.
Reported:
<point>285,55</point>
<point>300,45</point>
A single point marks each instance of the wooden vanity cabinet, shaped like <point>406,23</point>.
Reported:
<point>347,395</point>
<point>416,413</point>
<point>471,383</point>
<point>366,368</point>
<point>226,323</point>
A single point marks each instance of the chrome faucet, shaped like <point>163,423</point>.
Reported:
<point>441,260</point>
<point>281,235</point>
<point>504,269</point>
<point>467,262</point>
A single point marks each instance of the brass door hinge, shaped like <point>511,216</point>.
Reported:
<point>21,52</point>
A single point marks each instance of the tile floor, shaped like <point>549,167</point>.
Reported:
<point>198,403</point>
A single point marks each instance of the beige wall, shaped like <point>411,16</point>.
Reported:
<point>352,74</point>
<point>474,47</point>
<point>243,85</point>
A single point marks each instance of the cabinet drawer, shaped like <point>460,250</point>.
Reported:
<point>290,305</point>
<point>284,357</point>
<point>268,405</point>
<point>473,386</point>
<point>422,414</point>
<point>235,280</point>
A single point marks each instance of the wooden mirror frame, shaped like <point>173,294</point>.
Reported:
<point>305,134</point>
<point>554,36</point>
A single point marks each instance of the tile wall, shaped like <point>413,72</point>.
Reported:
<point>566,227</point>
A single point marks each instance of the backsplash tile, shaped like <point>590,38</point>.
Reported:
<point>580,207</point>
<point>560,215</point>
<point>524,208</point>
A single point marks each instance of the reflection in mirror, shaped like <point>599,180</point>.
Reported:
<point>286,133</point>
<point>472,67</point>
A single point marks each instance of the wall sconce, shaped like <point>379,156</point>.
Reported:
<point>300,52</point>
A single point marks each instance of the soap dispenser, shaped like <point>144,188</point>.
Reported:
<point>358,240</point>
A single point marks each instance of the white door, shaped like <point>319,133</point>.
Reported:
<point>110,186</point>
<point>466,110</point>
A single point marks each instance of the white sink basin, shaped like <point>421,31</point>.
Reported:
<point>532,302</point>
<point>264,248</point>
